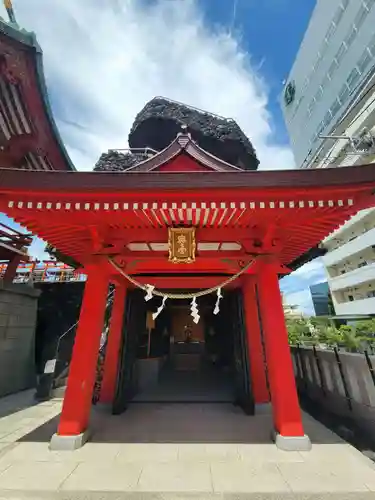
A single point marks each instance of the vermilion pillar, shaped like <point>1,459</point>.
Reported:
<point>78,396</point>
<point>108,386</point>
<point>254,341</point>
<point>285,405</point>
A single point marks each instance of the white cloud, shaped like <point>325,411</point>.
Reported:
<point>105,60</point>
<point>311,273</point>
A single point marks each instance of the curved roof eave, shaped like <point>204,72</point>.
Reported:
<point>29,38</point>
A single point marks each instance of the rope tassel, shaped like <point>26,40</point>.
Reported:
<point>149,289</point>
<point>194,310</point>
<point>159,309</point>
<point>217,305</point>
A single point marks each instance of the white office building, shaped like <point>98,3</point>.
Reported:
<point>331,92</point>
<point>350,265</point>
<point>334,66</point>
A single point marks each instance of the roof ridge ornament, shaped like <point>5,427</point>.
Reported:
<point>9,8</point>
<point>184,137</point>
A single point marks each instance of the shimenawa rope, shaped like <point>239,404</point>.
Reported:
<point>181,295</point>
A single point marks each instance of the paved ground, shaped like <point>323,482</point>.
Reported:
<point>157,451</point>
<point>206,385</point>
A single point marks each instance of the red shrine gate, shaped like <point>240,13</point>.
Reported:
<point>269,217</point>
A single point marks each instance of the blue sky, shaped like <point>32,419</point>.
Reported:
<point>104,60</point>
<point>271,32</point>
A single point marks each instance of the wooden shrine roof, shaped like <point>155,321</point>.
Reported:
<point>320,180</point>
<point>237,214</point>
<point>29,138</point>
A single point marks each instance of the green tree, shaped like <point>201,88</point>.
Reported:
<point>321,330</point>
<point>365,327</point>
<point>321,327</point>
<point>298,330</point>
<point>330,336</point>
<point>349,338</point>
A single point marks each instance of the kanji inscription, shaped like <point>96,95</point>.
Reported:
<point>182,244</point>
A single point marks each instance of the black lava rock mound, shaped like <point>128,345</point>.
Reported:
<point>161,120</point>
<point>158,124</point>
<point>115,161</point>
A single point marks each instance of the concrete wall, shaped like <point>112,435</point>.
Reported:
<point>342,382</point>
<point>18,309</point>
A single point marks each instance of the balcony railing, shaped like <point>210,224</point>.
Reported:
<point>364,306</point>
<point>44,272</point>
<point>362,242</point>
<point>142,153</point>
<point>353,277</point>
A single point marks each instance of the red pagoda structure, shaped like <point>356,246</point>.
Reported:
<point>180,225</point>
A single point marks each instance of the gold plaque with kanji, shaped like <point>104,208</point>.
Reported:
<point>181,245</point>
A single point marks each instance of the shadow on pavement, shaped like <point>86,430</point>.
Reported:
<point>14,403</point>
<point>182,423</point>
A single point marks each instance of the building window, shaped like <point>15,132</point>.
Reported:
<point>344,93</point>
<point>372,46</point>
<point>325,81</point>
<point>332,69</point>
<point>327,119</point>
<point>364,61</point>
<point>350,298</point>
<point>361,16</point>
<point>320,129</point>
<point>344,4</point>
<point>362,264</point>
<point>330,31</point>
<point>340,53</point>
<point>313,139</point>
<point>350,38</point>
<point>317,62</point>
<point>340,12</point>
<point>319,94</point>
<point>335,108</point>
<point>353,78</point>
